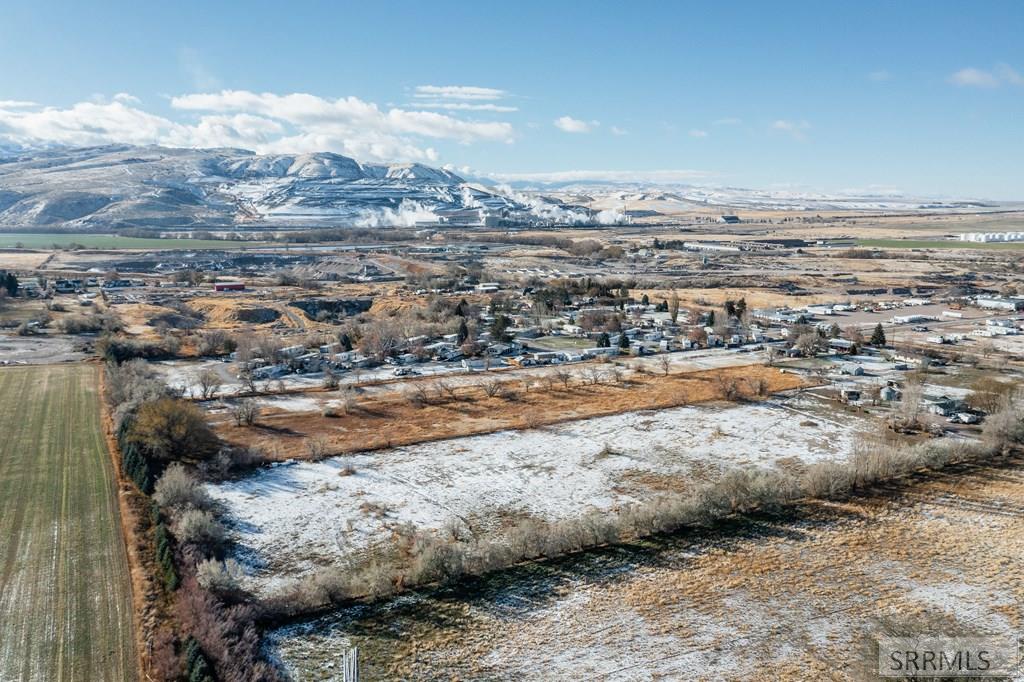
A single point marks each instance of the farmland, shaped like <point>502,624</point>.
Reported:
<point>64,587</point>
<point>938,244</point>
<point>64,240</point>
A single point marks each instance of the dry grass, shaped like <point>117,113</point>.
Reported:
<point>391,419</point>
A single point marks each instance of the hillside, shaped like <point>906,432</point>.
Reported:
<point>119,186</point>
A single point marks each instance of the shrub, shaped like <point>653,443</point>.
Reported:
<point>246,412</point>
<point>170,429</point>
<point>89,324</point>
<point>229,461</point>
<point>318,447</point>
<point>114,349</point>
<point>133,380</point>
<point>226,635</point>
<point>827,480</point>
<point>220,577</point>
<point>215,342</point>
<point>177,490</point>
<point>199,527</point>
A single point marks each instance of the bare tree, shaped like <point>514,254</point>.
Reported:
<point>808,343</point>
<point>594,375</point>
<point>248,381</point>
<point>910,402</point>
<point>665,362</point>
<point>246,412</point>
<point>209,383</point>
<point>673,307</point>
<point>380,338</point>
<point>565,377</point>
<point>331,380</point>
<point>349,402</point>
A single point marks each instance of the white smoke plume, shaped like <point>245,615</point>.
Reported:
<point>558,215</point>
<point>407,215</point>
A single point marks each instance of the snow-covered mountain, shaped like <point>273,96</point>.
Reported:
<point>108,187</point>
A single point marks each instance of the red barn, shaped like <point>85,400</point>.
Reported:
<point>228,286</point>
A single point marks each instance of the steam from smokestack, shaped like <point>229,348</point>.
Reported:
<point>407,215</point>
<point>558,215</point>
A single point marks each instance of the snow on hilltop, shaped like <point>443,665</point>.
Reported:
<point>118,186</point>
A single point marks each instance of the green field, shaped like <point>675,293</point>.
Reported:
<point>27,240</point>
<point>935,244</point>
<point>65,600</point>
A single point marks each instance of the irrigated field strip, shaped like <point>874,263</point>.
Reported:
<point>65,601</point>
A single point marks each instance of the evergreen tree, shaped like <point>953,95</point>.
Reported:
<point>878,336</point>
<point>645,300</point>
<point>463,331</point>
<point>498,327</point>
<point>623,340</point>
<point>10,282</point>
<point>604,341</point>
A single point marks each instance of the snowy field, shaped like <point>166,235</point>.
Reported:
<point>290,518</point>
<point>777,603</point>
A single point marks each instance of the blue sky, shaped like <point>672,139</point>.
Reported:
<point>923,97</point>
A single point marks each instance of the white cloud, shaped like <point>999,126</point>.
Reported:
<point>574,125</point>
<point>467,106</point>
<point>651,176</point>
<point>976,78</point>
<point>126,98</point>
<point>698,133</point>
<point>16,104</point>
<point>616,130</point>
<point>263,122</point>
<point>1001,74</point>
<point>86,123</point>
<point>879,76</point>
<point>794,128</point>
<point>464,92</point>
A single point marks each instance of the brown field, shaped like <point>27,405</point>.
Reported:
<point>390,419</point>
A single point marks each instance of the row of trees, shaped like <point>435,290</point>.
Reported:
<point>165,441</point>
